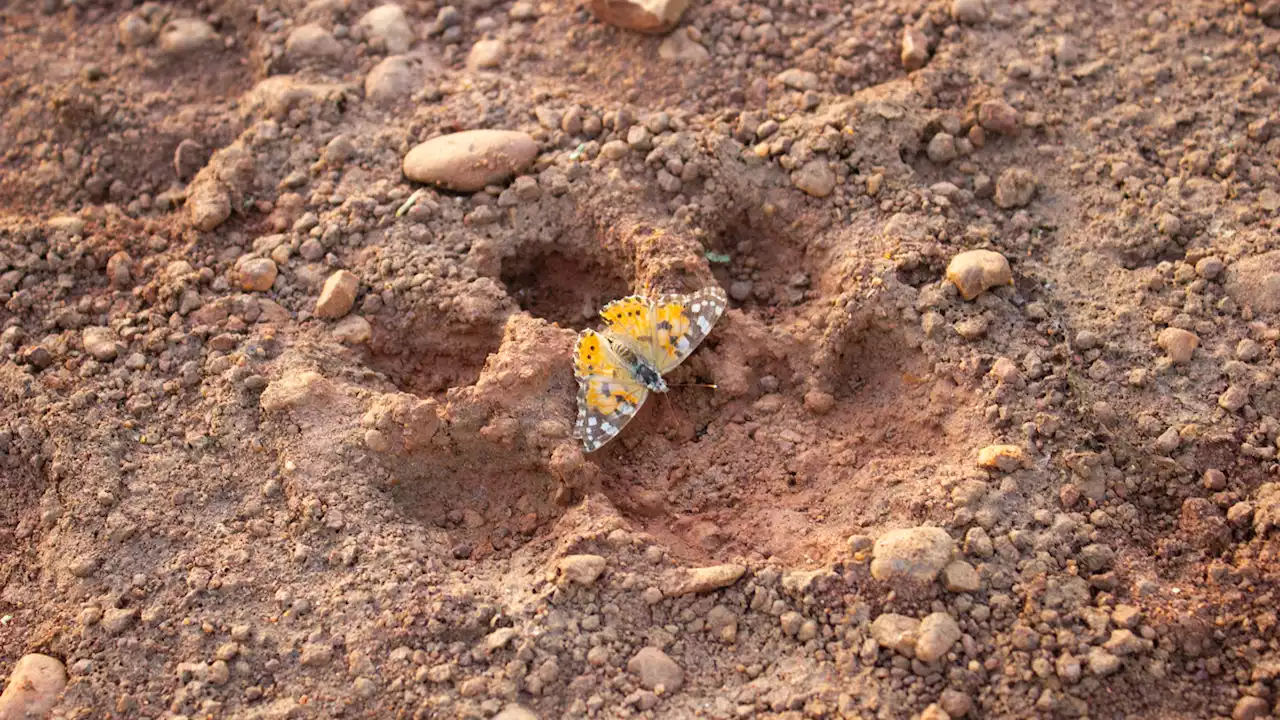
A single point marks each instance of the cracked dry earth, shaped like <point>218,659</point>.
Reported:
<point>285,408</point>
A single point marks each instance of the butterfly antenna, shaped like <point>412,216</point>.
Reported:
<point>713,386</point>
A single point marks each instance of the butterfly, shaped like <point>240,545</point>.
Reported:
<point>643,340</point>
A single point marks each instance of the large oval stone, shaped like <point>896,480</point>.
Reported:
<point>470,160</point>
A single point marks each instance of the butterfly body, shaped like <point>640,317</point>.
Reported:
<point>643,340</point>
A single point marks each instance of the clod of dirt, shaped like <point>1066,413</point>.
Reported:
<point>34,686</point>
<point>579,569</point>
<point>896,632</point>
<point>1266,514</point>
<point>973,272</point>
<point>914,555</point>
<point>679,48</point>
<point>209,205</point>
<point>938,632</point>
<point>1178,343</point>
<point>468,161</point>
<point>655,669</point>
<point>394,78</point>
<point>647,16</point>
<point>1255,282</point>
<point>1005,458</point>
<point>998,116</point>
<point>1015,188</point>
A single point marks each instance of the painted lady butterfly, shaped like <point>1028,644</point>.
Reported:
<point>643,340</point>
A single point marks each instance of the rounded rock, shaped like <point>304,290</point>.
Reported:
<point>915,49</point>
<point>580,569</point>
<point>973,272</point>
<point>896,632</point>
<point>134,31</point>
<point>471,160</point>
<point>183,36</point>
<point>312,41</point>
<point>815,178</point>
<point>937,634</point>
<point>34,686</point>
<point>515,712</point>
<point>942,149</point>
<point>388,25</point>
<point>960,577</point>
<point>655,668</point>
<point>486,54</point>
<point>969,12</point>
<point>258,274</point>
<point>647,16</point>
<point>100,342</point>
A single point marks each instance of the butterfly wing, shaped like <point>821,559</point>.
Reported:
<point>631,318</point>
<point>682,322</point>
<point>608,394</point>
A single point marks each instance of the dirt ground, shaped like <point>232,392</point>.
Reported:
<point>286,434</point>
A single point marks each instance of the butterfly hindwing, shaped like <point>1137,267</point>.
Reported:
<point>682,322</point>
<point>608,393</point>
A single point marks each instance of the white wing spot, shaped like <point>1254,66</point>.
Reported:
<point>696,307</point>
<point>609,428</point>
<point>591,422</point>
<point>703,325</point>
<point>682,344</point>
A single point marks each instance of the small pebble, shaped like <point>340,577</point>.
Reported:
<point>915,49</point>
<point>258,274</point>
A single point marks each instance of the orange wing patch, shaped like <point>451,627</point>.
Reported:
<point>630,317</point>
<point>589,357</point>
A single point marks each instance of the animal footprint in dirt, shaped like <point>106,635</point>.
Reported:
<point>643,339</point>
